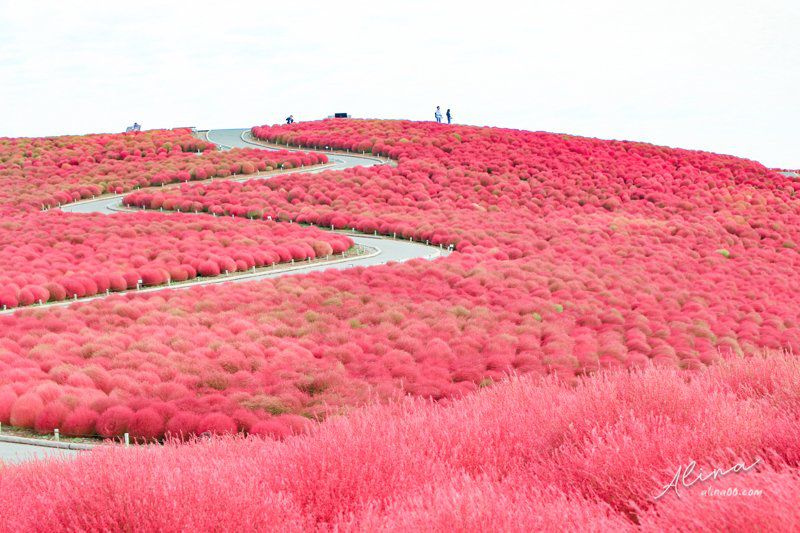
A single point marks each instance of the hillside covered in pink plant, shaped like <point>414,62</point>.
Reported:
<point>611,310</point>
<point>572,255</point>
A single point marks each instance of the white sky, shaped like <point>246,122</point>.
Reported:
<point>720,75</point>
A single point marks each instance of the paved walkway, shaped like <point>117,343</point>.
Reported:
<point>389,249</point>
<point>18,453</point>
<point>384,249</point>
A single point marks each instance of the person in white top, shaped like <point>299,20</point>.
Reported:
<point>438,114</point>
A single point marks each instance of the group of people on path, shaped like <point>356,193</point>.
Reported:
<point>438,115</point>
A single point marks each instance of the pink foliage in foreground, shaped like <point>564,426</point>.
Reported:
<point>528,454</point>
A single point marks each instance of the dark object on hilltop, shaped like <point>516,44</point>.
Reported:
<point>290,119</point>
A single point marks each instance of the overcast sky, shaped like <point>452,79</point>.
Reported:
<point>715,75</point>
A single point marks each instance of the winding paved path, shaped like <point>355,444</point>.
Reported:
<point>387,250</point>
<point>382,249</point>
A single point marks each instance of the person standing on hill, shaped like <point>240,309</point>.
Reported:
<point>290,119</point>
<point>449,116</point>
<point>438,114</point>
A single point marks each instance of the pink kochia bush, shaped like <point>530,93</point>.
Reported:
<point>50,171</point>
<point>54,256</point>
<point>530,454</point>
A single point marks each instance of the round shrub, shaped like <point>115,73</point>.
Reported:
<point>208,269</point>
<point>103,282</point>
<point>56,292</point>
<point>25,410</point>
<point>182,425</point>
<point>245,419</point>
<point>153,276</point>
<point>25,297</point>
<point>321,248</point>
<point>7,399</point>
<point>117,283</point>
<point>73,287</point>
<point>40,294</point>
<point>102,403</point>
<point>299,424</point>
<point>146,424</point>
<point>80,380</point>
<point>50,418</point>
<point>131,279</point>
<point>217,424</point>
<point>272,428</point>
<point>8,298</point>
<point>88,284</point>
<point>226,263</point>
<point>178,273</point>
<point>191,272</point>
<point>48,391</point>
<point>114,421</point>
<point>170,390</point>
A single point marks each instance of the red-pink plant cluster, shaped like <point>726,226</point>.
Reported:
<point>526,455</point>
<point>55,256</point>
<point>41,172</point>
<point>649,252</point>
<point>493,187</point>
<point>574,255</point>
<point>316,344</point>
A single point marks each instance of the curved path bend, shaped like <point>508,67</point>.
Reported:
<point>379,250</point>
<point>383,250</point>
